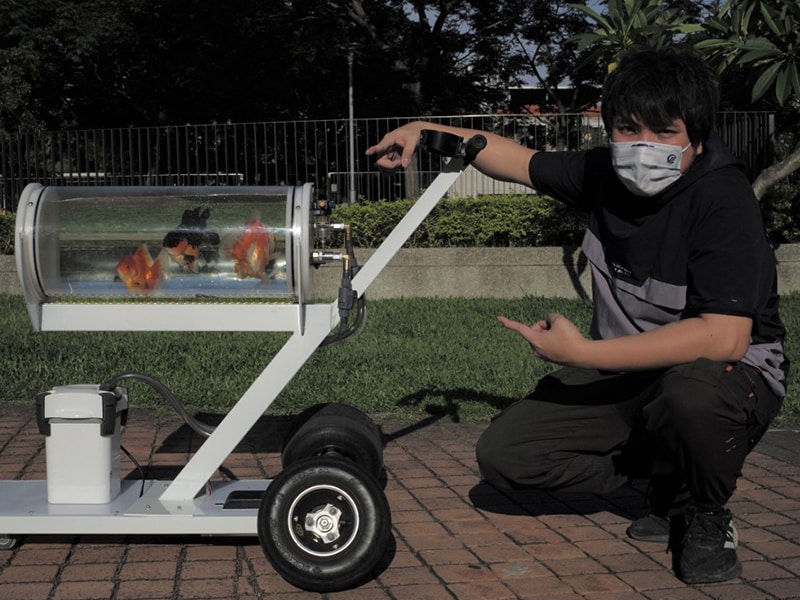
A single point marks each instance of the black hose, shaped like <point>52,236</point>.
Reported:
<point>201,428</point>
<point>346,330</point>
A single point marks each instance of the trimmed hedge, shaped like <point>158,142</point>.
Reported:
<point>515,220</point>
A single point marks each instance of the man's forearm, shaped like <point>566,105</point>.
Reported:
<point>723,338</point>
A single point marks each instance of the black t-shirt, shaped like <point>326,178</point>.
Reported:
<point>698,247</point>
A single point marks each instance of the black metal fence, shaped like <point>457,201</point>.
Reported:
<point>290,152</point>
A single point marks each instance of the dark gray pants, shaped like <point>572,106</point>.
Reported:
<point>583,430</point>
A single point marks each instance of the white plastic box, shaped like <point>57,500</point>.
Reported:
<point>82,425</point>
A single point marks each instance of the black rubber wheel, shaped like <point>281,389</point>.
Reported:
<point>7,542</point>
<point>324,524</point>
<point>336,429</point>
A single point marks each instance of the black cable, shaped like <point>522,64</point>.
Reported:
<point>137,465</point>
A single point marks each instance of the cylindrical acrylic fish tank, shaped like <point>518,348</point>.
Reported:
<point>145,244</point>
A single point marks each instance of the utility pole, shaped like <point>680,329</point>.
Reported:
<point>352,128</point>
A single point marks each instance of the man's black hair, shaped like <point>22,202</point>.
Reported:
<point>655,87</point>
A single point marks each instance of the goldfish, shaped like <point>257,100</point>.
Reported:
<point>139,272</point>
<point>253,250</point>
<point>184,253</point>
<point>192,240</point>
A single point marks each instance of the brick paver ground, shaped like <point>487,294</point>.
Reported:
<point>454,537</point>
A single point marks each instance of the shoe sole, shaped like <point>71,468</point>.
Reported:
<point>732,573</point>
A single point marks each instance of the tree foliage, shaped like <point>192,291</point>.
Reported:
<point>67,64</point>
<point>106,63</point>
<point>758,41</point>
<point>51,52</point>
<point>762,35</point>
<point>111,63</point>
<point>634,23</point>
<point>543,47</point>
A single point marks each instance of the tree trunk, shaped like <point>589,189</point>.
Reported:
<point>772,175</point>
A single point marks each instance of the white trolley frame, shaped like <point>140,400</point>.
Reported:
<point>190,503</point>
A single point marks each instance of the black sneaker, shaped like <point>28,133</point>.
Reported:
<point>652,528</point>
<point>668,500</point>
<point>708,551</point>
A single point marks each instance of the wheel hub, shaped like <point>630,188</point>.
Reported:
<point>323,520</point>
<point>324,523</point>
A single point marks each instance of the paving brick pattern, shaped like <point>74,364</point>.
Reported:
<point>454,537</point>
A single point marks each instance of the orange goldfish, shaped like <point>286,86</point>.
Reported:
<point>253,250</point>
<point>138,271</point>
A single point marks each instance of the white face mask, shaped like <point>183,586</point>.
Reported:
<point>646,168</point>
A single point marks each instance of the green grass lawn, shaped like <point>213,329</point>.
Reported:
<point>416,357</point>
